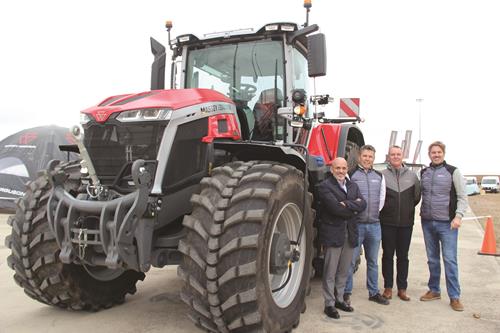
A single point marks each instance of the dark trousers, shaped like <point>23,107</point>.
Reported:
<point>395,239</point>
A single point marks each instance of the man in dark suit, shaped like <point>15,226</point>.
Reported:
<point>341,201</point>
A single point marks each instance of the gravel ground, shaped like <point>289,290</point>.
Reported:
<point>487,204</point>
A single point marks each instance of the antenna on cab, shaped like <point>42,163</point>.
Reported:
<point>169,26</point>
<point>307,6</point>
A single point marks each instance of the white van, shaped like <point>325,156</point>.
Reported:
<point>471,186</point>
<point>490,184</point>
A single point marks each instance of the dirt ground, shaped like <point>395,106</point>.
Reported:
<point>488,204</point>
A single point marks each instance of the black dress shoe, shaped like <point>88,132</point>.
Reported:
<point>344,306</point>
<point>377,298</point>
<point>331,312</point>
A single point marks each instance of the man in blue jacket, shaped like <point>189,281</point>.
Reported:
<point>341,201</point>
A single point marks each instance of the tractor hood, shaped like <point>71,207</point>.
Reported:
<point>168,99</point>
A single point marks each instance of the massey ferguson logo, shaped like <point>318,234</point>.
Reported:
<point>101,116</point>
<point>214,108</point>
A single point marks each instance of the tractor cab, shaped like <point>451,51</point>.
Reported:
<point>257,70</point>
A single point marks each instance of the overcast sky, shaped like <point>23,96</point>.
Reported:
<point>60,57</point>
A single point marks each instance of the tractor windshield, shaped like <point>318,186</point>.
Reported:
<point>251,74</point>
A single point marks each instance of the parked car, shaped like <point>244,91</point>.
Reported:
<point>490,184</point>
<point>471,186</point>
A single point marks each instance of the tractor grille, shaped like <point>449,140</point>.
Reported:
<point>114,146</point>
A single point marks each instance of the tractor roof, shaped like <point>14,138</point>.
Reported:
<point>293,32</point>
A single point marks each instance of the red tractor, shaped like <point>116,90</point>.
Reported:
<point>215,175</point>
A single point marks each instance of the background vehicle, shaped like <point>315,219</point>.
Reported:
<point>471,186</point>
<point>217,176</point>
<point>490,184</point>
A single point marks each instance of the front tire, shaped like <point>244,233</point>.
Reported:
<point>35,255</point>
<point>242,213</point>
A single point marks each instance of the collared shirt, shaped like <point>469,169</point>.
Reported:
<point>342,185</point>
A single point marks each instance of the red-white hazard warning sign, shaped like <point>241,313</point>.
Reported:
<point>349,107</point>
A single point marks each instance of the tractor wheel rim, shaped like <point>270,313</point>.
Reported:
<point>287,222</point>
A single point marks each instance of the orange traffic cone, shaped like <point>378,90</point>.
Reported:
<point>489,247</point>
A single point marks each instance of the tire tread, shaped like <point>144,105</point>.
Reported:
<point>237,197</point>
<point>34,254</point>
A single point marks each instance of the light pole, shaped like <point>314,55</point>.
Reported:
<point>419,101</point>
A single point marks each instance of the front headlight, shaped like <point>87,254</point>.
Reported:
<point>144,115</point>
<point>84,118</point>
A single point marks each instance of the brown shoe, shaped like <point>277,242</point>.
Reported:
<point>430,296</point>
<point>387,293</point>
<point>402,295</point>
<point>456,305</point>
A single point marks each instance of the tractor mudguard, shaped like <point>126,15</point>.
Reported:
<point>330,140</point>
<point>349,133</point>
<point>248,150</point>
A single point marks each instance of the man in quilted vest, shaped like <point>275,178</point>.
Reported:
<point>371,183</point>
<point>444,202</point>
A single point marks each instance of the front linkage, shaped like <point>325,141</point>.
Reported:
<point>101,233</point>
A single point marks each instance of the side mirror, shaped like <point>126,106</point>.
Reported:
<point>316,55</point>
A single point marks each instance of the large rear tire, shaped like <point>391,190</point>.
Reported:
<point>243,211</point>
<point>35,255</point>
<point>351,154</point>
